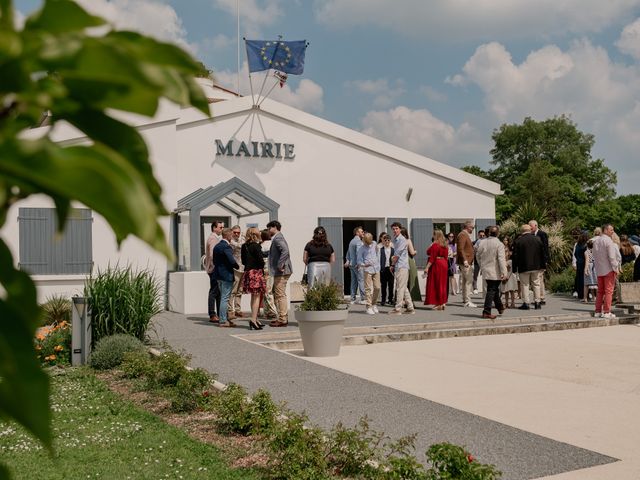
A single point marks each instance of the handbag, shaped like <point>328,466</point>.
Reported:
<point>305,277</point>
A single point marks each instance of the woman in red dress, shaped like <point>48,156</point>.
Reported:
<point>437,271</point>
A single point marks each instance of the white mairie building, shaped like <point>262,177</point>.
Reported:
<point>247,165</point>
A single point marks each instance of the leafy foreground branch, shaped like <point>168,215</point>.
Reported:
<point>52,68</point>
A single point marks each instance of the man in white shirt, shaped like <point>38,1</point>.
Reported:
<point>401,271</point>
<point>606,259</point>
<point>214,291</point>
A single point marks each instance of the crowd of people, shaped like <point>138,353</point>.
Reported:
<point>258,265</point>
<point>384,272</point>
<point>603,254</point>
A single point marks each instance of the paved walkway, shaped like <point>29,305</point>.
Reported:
<point>481,392</point>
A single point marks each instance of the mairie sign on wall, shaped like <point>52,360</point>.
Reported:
<point>255,149</point>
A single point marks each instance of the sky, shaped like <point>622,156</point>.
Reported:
<point>433,76</point>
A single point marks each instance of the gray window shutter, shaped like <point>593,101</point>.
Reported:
<point>421,233</point>
<point>42,250</point>
<point>77,251</point>
<point>333,227</point>
<point>482,223</point>
<point>402,221</point>
<point>36,234</point>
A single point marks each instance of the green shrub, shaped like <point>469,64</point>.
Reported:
<point>453,462</point>
<point>56,309</point>
<point>627,272</point>
<point>191,391</point>
<point>123,301</point>
<point>322,297</point>
<point>53,344</point>
<point>297,451</point>
<point>401,464</point>
<point>168,369</point>
<point>562,282</point>
<point>136,364</point>
<point>355,452</point>
<point>237,413</point>
<point>109,352</point>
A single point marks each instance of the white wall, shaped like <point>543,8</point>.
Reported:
<point>328,178</point>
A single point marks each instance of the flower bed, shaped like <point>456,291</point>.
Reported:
<point>53,344</point>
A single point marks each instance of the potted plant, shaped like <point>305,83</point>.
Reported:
<point>321,318</point>
<point>629,290</point>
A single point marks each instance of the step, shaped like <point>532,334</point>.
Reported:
<point>290,340</point>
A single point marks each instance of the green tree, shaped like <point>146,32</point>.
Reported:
<point>629,222</point>
<point>549,163</point>
<point>53,65</point>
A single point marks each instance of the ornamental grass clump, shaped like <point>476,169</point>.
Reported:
<point>56,309</point>
<point>110,351</point>
<point>322,297</point>
<point>562,282</point>
<point>123,300</point>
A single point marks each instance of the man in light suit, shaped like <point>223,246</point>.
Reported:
<point>493,265</point>
<point>280,268</point>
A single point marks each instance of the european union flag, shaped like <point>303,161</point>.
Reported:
<point>287,57</point>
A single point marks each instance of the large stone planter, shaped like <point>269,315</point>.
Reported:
<point>630,292</point>
<point>321,332</point>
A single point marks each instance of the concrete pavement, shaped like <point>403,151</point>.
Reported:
<point>510,399</point>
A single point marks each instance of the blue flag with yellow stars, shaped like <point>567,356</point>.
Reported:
<point>287,57</point>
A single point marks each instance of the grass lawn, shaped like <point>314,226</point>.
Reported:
<point>99,435</point>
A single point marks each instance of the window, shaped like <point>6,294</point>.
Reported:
<point>44,251</point>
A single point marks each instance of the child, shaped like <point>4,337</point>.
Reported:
<point>590,278</point>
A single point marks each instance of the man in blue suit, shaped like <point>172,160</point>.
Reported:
<point>224,264</point>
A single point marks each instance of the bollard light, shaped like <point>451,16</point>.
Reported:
<point>80,331</point>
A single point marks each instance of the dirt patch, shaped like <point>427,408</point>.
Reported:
<point>239,451</point>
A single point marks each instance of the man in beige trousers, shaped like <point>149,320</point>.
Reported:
<point>464,257</point>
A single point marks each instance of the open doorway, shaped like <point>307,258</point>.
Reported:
<point>371,226</point>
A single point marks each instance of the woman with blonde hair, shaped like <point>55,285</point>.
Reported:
<point>369,262</point>
<point>253,281</point>
<point>437,272</point>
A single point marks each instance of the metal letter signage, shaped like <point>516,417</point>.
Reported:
<point>255,149</point>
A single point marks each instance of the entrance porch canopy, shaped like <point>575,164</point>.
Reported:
<point>235,196</point>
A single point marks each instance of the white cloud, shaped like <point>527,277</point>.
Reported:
<point>420,131</point>
<point>308,96</point>
<point>477,19</point>
<point>254,14</point>
<point>213,46</point>
<point>629,41</point>
<point>150,17</point>
<point>432,94</point>
<point>600,95</point>
<point>384,93</point>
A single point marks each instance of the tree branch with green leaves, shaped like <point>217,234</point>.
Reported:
<point>58,67</point>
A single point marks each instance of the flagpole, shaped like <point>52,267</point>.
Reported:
<point>238,32</point>
<point>275,50</point>
<point>269,92</point>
